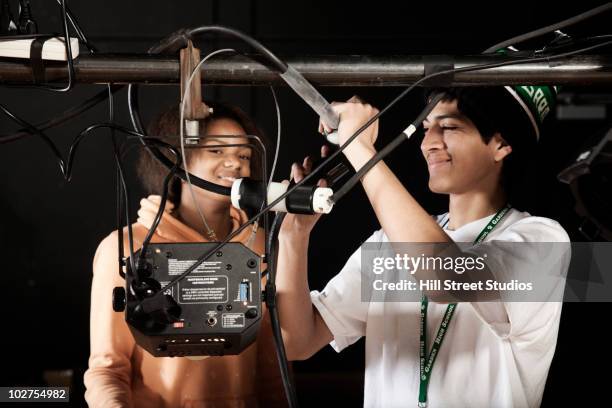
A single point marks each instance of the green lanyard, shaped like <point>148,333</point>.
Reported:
<point>426,362</point>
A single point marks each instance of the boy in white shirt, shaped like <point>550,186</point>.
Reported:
<point>495,354</point>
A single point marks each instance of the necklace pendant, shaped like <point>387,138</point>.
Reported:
<point>212,236</point>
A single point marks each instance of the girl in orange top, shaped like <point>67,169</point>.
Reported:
<point>122,374</point>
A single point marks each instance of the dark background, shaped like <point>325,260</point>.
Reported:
<point>49,229</point>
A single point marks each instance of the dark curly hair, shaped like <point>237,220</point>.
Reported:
<point>165,126</point>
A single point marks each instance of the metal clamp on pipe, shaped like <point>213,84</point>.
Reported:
<point>193,106</point>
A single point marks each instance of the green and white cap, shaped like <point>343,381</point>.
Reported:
<point>536,101</point>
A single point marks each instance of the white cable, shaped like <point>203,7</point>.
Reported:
<point>186,94</point>
<point>278,133</point>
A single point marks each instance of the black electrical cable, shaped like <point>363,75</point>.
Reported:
<point>118,193</point>
<point>158,216</point>
<point>274,62</point>
<point>123,204</point>
<point>288,384</point>
<point>178,40</point>
<point>575,42</point>
<point>67,115</point>
<point>122,196</point>
<point>142,139</point>
<point>119,216</point>
<point>35,131</point>
<point>137,264</point>
<point>126,201</point>
<point>77,28</point>
<point>550,28</point>
<point>77,140</point>
<point>66,166</point>
<point>68,48</point>
<point>73,111</point>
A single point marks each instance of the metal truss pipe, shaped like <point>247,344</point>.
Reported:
<point>336,70</point>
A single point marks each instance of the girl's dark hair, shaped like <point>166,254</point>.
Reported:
<point>493,110</point>
<point>165,126</point>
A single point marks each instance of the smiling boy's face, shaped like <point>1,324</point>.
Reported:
<point>458,159</point>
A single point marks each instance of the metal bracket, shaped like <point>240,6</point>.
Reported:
<point>195,108</point>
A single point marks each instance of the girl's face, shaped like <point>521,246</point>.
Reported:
<point>219,164</point>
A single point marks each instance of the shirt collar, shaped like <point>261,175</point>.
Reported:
<point>467,232</point>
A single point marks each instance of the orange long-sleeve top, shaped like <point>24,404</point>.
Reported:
<point>122,374</point>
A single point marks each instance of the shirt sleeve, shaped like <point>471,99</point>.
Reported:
<point>108,378</point>
<point>340,304</point>
<point>544,264</point>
